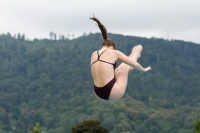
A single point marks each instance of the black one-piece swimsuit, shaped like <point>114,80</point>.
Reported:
<point>104,92</point>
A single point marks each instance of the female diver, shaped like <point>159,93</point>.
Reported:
<point>110,82</point>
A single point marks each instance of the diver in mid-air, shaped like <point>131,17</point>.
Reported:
<point>110,82</point>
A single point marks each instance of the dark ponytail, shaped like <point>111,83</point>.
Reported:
<point>107,42</point>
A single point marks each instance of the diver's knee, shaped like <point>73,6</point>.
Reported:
<point>124,67</point>
<point>139,47</point>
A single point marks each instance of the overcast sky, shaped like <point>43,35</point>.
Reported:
<point>173,19</point>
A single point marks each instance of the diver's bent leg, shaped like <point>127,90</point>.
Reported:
<point>119,87</point>
<point>121,74</point>
<point>135,54</point>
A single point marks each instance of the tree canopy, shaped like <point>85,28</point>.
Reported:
<point>89,126</point>
<point>49,81</point>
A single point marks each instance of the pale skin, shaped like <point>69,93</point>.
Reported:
<point>103,73</point>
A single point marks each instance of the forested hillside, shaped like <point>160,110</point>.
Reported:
<point>49,81</point>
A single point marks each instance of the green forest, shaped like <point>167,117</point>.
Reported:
<point>48,81</point>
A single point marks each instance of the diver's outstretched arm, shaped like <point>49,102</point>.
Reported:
<point>131,62</point>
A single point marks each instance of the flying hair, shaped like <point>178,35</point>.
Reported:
<point>101,27</point>
<point>107,41</point>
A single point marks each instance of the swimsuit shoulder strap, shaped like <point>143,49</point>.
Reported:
<point>98,59</point>
<point>98,56</point>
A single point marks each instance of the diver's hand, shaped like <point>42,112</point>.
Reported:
<point>147,69</point>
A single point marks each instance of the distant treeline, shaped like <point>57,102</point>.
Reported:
<point>49,81</point>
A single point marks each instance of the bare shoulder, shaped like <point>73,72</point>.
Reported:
<point>93,53</point>
<point>117,52</point>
